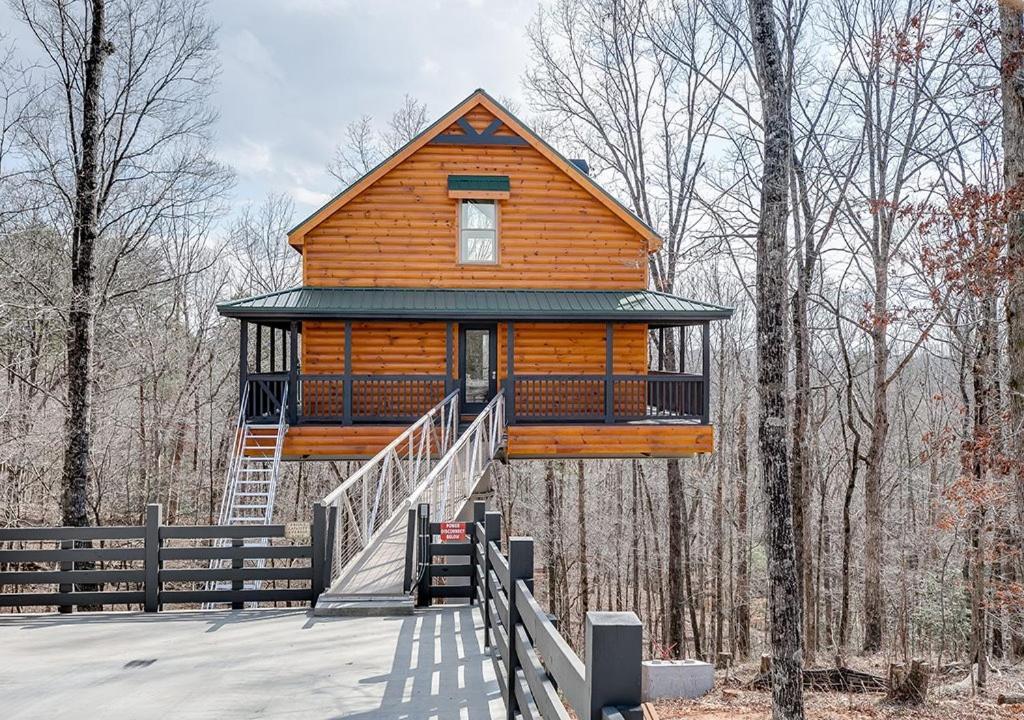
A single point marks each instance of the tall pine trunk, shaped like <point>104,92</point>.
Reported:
<point>784,587</point>
<point>78,417</point>
<point>1011,19</point>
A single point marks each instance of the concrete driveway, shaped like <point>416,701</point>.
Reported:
<point>246,664</point>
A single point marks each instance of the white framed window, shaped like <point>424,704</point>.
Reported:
<point>478,232</point>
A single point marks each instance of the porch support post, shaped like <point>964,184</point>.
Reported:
<point>609,354</point>
<point>449,362</point>
<point>682,348</point>
<point>273,348</point>
<point>347,417</point>
<point>243,358</point>
<point>706,369</point>
<point>661,349</point>
<point>293,373</point>
<point>510,373</point>
<point>259,348</point>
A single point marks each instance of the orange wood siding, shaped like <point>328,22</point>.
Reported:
<point>524,441</point>
<point>609,441</point>
<point>401,231</point>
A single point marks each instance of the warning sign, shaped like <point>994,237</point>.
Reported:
<point>453,531</point>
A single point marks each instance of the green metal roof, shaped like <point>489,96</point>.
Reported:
<point>451,304</point>
<point>492,183</point>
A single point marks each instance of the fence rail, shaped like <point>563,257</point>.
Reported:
<point>538,673</point>
<point>151,560</point>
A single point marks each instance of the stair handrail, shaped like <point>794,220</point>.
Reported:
<point>365,468</point>
<point>235,457</point>
<point>487,427</point>
<point>385,480</point>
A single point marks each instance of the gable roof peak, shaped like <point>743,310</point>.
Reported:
<point>479,96</point>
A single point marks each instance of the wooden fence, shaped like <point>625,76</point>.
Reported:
<point>534,664</point>
<point>153,565</point>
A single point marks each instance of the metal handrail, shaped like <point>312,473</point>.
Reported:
<point>364,504</point>
<point>234,458</point>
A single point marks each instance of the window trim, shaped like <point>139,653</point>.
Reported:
<point>497,233</point>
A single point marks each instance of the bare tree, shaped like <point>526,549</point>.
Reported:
<point>772,355</point>
<point>365,146</point>
<point>258,239</point>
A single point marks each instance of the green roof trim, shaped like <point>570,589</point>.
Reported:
<point>489,183</point>
<point>457,304</point>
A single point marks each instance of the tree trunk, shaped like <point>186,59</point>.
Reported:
<point>581,523</point>
<point>784,587</point>
<point>742,649</point>
<point>675,559</point>
<point>551,555</point>
<point>78,417</point>
<point>1011,19</point>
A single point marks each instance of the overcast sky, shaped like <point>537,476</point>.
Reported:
<point>296,72</point>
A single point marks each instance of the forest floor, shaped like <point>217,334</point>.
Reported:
<point>949,698</point>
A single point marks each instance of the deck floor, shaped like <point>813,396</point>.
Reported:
<point>246,664</point>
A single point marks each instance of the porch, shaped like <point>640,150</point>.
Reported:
<point>368,362</point>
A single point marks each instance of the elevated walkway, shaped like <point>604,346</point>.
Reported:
<point>371,568</point>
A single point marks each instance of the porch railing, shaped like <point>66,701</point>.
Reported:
<point>402,399</point>
<point>615,398</point>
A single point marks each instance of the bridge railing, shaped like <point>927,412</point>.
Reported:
<point>534,664</point>
<point>153,565</point>
<point>355,512</point>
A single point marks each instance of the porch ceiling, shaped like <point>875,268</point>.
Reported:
<point>457,304</point>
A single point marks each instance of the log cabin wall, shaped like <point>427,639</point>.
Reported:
<point>402,230</point>
<point>418,348</point>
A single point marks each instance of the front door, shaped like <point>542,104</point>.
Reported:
<point>478,365</point>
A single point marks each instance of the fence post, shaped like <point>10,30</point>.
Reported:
<point>479,514</point>
<point>410,549</point>
<point>151,560</point>
<point>318,538</point>
<point>237,564</point>
<point>520,567</point>
<point>492,533</point>
<point>66,565</point>
<point>423,566</point>
<point>613,656</point>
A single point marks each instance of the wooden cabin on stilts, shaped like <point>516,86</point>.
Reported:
<point>474,278</point>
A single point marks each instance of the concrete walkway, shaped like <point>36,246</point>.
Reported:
<point>246,664</point>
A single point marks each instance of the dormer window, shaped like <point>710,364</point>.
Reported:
<point>478,232</point>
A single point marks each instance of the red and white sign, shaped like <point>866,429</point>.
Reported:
<point>453,531</point>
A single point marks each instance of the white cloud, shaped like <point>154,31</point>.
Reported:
<point>247,156</point>
<point>307,197</point>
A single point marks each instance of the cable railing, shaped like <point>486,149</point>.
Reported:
<point>449,485</point>
<point>359,508</point>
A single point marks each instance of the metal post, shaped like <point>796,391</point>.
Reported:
<point>520,567</point>
<point>510,373</point>
<point>613,656</point>
<point>609,354</point>
<point>318,538</point>
<point>706,371</point>
<point>423,566</point>
<point>410,550</point>
<point>492,533</point>
<point>682,348</point>
<point>151,556</point>
<point>273,349</point>
<point>449,362</point>
<point>332,527</point>
<point>243,358</point>
<point>237,564</point>
<point>293,373</point>
<point>347,418</point>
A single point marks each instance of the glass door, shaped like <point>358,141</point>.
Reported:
<point>478,366</point>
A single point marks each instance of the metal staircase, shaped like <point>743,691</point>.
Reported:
<point>430,462</point>
<point>251,485</point>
